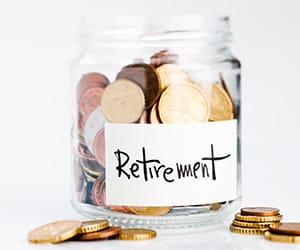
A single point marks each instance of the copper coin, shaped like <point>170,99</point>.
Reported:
<point>81,122</point>
<point>85,153</point>
<point>145,76</point>
<point>290,228</point>
<point>144,118</point>
<point>99,235</point>
<point>183,103</point>
<point>123,101</point>
<point>99,147</point>
<point>260,211</point>
<point>142,210</point>
<point>89,101</point>
<point>94,123</point>
<point>154,117</point>
<point>92,79</point>
<point>99,191</point>
<point>120,209</point>
<point>221,106</point>
<point>171,74</point>
<point>163,57</point>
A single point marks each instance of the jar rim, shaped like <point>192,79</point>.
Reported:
<point>156,31</point>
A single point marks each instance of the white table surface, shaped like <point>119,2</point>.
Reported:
<point>30,206</point>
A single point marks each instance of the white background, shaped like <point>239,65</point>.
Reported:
<point>39,39</point>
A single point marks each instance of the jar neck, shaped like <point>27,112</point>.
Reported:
<point>202,38</point>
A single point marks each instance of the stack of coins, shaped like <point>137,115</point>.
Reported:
<point>60,231</point>
<point>155,93</point>
<point>255,220</point>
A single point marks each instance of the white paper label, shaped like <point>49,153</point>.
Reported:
<point>171,164</point>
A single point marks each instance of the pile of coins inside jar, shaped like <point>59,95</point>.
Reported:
<point>155,93</point>
<point>265,221</point>
<point>74,230</point>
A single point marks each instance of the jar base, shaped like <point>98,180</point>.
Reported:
<point>186,217</point>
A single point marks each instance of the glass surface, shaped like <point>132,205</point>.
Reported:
<point>199,46</point>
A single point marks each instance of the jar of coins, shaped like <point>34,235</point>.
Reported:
<point>156,122</point>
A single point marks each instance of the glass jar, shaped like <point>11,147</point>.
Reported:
<point>156,122</point>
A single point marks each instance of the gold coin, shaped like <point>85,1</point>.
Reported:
<point>282,237</point>
<point>123,101</point>
<point>183,103</point>
<point>216,206</point>
<point>93,226</point>
<point>260,211</point>
<point>171,74</point>
<point>149,210</point>
<point>224,85</point>
<point>252,218</point>
<point>221,106</point>
<point>54,232</point>
<point>154,117</point>
<point>136,234</point>
<point>245,230</point>
<point>253,224</point>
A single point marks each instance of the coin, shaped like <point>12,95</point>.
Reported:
<point>144,118</point>
<point>99,147</point>
<point>163,57</point>
<point>260,211</point>
<point>99,235</point>
<point>291,228</point>
<point>244,230</point>
<point>282,237</point>
<point>154,117</point>
<point>123,102</point>
<point>145,76</point>
<point>136,234</point>
<point>216,206</point>
<point>221,107</point>
<point>93,226</point>
<point>143,210</point>
<point>99,191</point>
<point>95,122</point>
<point>253,224</point>
<point>224,85</point>
<point>89,101</point>
<point>120,209</point>
<point>91,167</point>
<point>252,218</point>
<point>54,232</point>
<point>85,153</point>
<point>92,79</point>
<point>171,74</point>
<point>90,177</point>
<point>183,103</point>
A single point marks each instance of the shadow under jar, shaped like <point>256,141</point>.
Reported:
<point>156,122</point>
